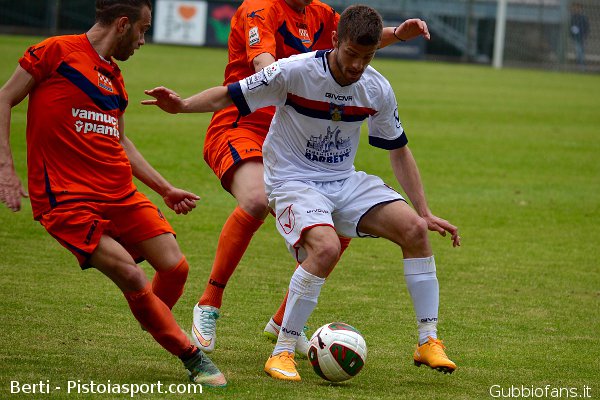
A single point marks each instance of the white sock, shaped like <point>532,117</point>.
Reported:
<point>424,290</point>
<point>301,301</point>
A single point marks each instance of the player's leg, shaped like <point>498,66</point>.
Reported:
<point>273,327</point>
<point>398,222</point>
<point>83,229</point>
<point>116,263</point>
<point>278,316</point>
<point>322,247</point>
<point>163,253</point>
<point>145,232</point>
<point>246,184</point>
<point>303,214</point>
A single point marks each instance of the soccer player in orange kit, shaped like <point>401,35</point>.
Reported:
<point>262,31</point>
<point>81,167</point>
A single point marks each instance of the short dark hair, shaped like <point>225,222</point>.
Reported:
<point>360,24</point>
<point>109,10</point>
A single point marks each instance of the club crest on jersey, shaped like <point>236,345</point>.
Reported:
<point>287,220</point>
<point>253,36</point>
<point>303,32</point>
<point>104,82</point>
<point>336,111</point>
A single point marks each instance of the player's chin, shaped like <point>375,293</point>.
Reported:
<point>353,77</point>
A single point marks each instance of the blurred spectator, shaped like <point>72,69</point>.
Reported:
<point>579,31</point>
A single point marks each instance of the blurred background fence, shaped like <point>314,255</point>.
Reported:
<point>548,34</point>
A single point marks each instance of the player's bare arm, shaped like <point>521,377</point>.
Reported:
<point>407,173</point>
<point>408,30</point>
<point>11,94</point>
<point>178,200</point>
<point>209,100</point>
<point>262,60</point>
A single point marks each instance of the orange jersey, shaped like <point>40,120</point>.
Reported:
<point>73,147</point>
<point>269,26</point>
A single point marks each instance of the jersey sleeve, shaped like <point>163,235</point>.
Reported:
<point>265,88</point>
<point>385,128</point>
<point>41,60</point>
<point>260,26</point>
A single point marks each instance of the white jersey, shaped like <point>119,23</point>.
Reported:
<point>315,132</point>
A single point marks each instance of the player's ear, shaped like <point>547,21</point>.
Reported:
<point>334,39</point>
<point>123,24</point>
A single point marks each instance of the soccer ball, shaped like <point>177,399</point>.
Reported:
<point>337,351</point>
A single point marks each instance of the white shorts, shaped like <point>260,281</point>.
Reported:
<point>299,206</point>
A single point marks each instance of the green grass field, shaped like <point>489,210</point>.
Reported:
<point>512,157</point>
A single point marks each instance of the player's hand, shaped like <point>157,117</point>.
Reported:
<point>442,226</point>
<point>11,189</point>
<point>180,201</point>
<point>412,28</point>
<point>165,98</point>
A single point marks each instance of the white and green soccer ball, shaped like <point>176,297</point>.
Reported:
<point>337,352</point>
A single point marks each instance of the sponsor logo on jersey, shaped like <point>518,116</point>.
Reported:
<point>256,80</point>
<point>272,71</point>
<point>253,36</point>
<point>263,77</point>
<point>338,97</point>
<point>104,82</point>
<point>330,148</point>
<point>255,14</point>
<point>96,122</point>
<point>32,51</point>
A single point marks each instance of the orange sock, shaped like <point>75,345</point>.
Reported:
<point>233,242</point>
<point>168,285</point>
<point>278,317</point>
<point>157,319</point>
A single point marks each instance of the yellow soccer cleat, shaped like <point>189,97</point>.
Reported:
<point>431,353</point>
<point>271,332</point>
<point>282,366</point>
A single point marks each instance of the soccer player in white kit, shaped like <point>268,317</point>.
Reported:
<point>322,98</point>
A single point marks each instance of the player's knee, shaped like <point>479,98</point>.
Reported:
<point>327,252</point>
<point>255,204</point>
<point>131,278</point>
<point>170,256</point>
<point>416,234</point>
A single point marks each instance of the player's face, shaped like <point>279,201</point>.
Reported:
<point>298,5</point>
<point>351,60</point>
<point>133,38</point>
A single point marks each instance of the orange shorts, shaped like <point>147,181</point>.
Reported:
<point>78,226</point>
<point>229,148</point>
